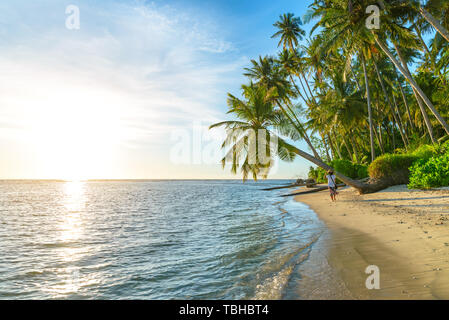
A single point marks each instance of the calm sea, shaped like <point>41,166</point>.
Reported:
<point>151,240</point>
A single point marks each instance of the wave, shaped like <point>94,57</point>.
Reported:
<point>273,286</point>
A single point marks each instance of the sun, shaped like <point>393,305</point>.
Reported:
<point>76,140</point>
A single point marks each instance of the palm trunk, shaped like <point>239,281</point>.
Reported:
<point>298,126</point>
<point>331,144</point>
<point>351,155</point>
<point>398,111</point>
<point>297,89</point>
<point>385,126</point>
<point>308,87</point>
<point>356,80</point>
<point>337,146</point>
<point>406,106</point>
<point>326,146</point>
<point>393,134</point>
<point>305,91</point>
<point>301,131</point>
<point>435,23</point>
<point>426,48</point>
<point>422,108</point>
<point>362,188</point>
<point>354,147</point>
<point>379,141</point>
<point>370,116</point>
<point>413,84</point>
<point>387,99</point>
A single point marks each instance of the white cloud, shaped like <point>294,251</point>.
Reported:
<point>130,75</point>
<point>159,62</point>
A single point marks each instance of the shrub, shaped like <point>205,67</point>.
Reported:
<point>318,174</point>
<point>426,151</point>
<point>346,167</point>
<point>431,173</point>
<point>392,166</point>
<point>362,171</point>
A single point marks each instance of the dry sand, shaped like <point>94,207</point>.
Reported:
<point>403,232</point>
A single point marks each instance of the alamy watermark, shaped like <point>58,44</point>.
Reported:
<point>203,146</point>
<point>72,22</point>
<point>373,281</point>
<point>373,21</point>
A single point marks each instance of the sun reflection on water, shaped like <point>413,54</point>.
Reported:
<point>69,250</point>
<point>74,203</point>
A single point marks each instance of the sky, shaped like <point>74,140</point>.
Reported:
<point>130,93</point>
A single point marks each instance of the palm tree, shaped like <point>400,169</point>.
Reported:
<point>290,34</point>
<point>392,109</point>
<point>438,6</point>
<point>289,63</point>
<point>244,137</point>
<point>258,114</point>
<point>399,34</point>
<point>344,27</point>
<point>290,31</point>
<point>412,82</point>
<point>267,74</point>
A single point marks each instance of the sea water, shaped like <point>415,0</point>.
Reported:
<point>151,239</point>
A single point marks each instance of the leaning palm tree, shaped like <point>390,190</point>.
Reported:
<point>268,74</point>
<point>440,7</point>
<point>257,113</point>
<point>253,142</point>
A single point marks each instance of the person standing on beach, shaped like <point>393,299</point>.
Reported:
<point>332,185</point>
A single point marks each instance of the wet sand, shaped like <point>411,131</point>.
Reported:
<point>403,232</point>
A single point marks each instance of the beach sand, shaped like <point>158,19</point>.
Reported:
<point>403,232</point>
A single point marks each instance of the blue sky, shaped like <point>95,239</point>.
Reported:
<point>111,99</point>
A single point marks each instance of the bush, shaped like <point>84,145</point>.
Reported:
<point>362,171</point>
<point>426,151</point>
<point>431,173</point>
<point>346,167</point>
<point>318,174</point>
<point>425,167</point>
<point>392,166</point>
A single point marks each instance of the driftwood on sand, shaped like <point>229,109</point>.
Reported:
<point>311,191</point>
<point>291,186</point>
<point>309,183</point>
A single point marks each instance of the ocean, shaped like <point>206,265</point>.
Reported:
<point>196,239</point>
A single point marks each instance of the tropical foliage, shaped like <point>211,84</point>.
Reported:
<point>346,167</point>
<point>354,95</point>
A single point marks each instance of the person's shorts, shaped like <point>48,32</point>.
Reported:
<point>333,190</point>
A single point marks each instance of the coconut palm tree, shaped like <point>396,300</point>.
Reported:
<point>401,36</point>
<point>257,113</point>
<point>441,8</point>
<point>258,121</point>
<point>290,32</point>
<point>268,74</point>
<point>344,26</point>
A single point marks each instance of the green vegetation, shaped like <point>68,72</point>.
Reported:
<point>346,167</point>
<point>348,92</point>
<point>431,172</point>
<point>423,168</point>
<point>392,167</point>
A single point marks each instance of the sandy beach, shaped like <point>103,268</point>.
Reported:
<point>403,232</point>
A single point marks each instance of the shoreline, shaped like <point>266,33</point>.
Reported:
<point>403,232</point>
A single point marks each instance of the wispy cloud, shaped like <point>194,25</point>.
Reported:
<point>157,67</point>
